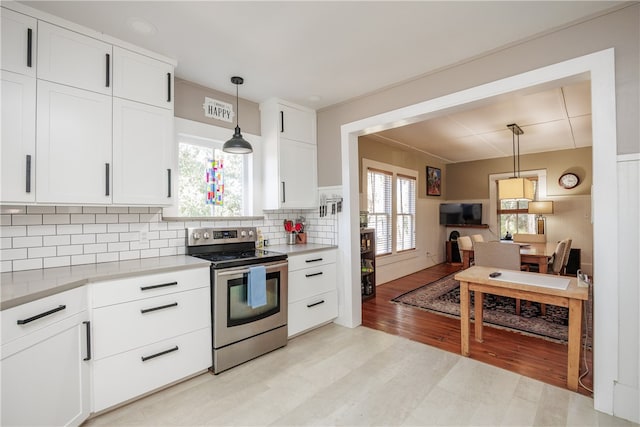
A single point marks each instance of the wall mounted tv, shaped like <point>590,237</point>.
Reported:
<point>460,213</point>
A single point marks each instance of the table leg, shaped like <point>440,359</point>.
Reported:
<point>479,307</point>
<point>575,334</point>
<point>466,259</point>
<point>542,265</point>
<point>464,317</point>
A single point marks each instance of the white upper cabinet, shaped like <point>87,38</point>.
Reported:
<point>290,158</point>
<point>18,149</point>
<point>73,145</point>
<point>142,162</point>
<point>297,124</point>
<point>73,59</point>
<point>140,78</point>
<point>19,36</point>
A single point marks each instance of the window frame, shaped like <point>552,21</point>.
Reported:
<point>394,171</point>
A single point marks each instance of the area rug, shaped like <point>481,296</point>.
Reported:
<point>443,297</point>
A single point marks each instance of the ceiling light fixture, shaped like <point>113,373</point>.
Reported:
<point>515,188</point>
<point>237,144</point>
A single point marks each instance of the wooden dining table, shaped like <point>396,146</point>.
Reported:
<point>530,253</point>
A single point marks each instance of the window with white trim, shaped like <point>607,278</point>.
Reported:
<point>391,203</point>
<point>514,216</point>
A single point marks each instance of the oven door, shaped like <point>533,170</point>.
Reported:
<point>235,320</point>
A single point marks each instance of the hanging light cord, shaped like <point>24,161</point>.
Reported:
<point>237,108</point>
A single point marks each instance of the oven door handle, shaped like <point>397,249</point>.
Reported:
<point>270,267</point>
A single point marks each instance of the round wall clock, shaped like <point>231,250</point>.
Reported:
<point>569,180</point>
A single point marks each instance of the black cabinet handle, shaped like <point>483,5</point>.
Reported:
<point>28,189</point>
<point>281,121</point>
<point>168,87</point>
<point>284,198</point>
<point>171,350</point>
<point>313,260</point>
<point>41,315</point>
<point>29,46</point>
<point>315,303</point>
<point>313,274</point>
<point>163,285</point>
<point>88,325</point>
<point>108,82</point>
<point>106,179</point>
<point>161,307</point>
<point>168,182</point>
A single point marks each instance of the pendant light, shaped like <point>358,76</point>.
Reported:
<point>515,188</point>
<point>237,144</point>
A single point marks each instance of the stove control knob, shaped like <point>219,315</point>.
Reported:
<point>250,233</point>
<point>206,236</point>
<point>196,236</point>
<point>243,233</point>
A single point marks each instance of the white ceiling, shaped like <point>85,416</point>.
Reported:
<point>325,52</point>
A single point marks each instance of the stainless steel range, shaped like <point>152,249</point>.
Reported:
<point>242,328</point>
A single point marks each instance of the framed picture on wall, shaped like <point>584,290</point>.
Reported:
<point>434,181</point>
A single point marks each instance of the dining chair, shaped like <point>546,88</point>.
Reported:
<point>465,243</point>
<point>477,238</point>
<point>557,259</point>
<point>499,255</point>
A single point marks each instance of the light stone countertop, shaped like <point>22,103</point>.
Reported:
<point>21,287</point>
<point>299,249</point>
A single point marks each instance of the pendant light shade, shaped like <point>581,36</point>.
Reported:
<point>237,144</point>
<point>515,188</point>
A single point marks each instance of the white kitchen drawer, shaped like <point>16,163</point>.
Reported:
<point>124,376</point>
<point>74,301</point>
<point>122,327</point>
<point>312,312</point>
<point>311,281</point>
<point>312,259</point>
<point>151,285</point>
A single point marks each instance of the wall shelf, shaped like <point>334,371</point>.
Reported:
<point>467,225</point>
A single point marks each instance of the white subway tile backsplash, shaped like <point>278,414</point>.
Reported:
<point>27,264</point>
<point>94,209</point>
<point>41,230</point>
<point>72,235</point>
<point>117,228</point>
<point>56,219</point>
<point>41,252</point>
<point>69,229</point>
<point>69,250</point>
<point>6,266</point>
<point>68,209</point>
<point>26,219</point>
<point>118,247</point>
<point>107,218</point>
<point>41,209</point>
<point>107,257</point>
<point>107,238</point>
<point>58,240</point>
<point>27,242</point>
<point>94,228</point>
<point>82,239</point>
<point>14,231</point>
<point>59,261</point>
<point>83,259</point>
<point>95,248</point>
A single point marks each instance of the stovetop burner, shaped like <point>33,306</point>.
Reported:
<point>227,248</point>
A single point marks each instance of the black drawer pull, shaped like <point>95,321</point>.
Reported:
<point>281,121</point>
<point>160,307</point>
<point>163,285</point>
<point>29,46</point>
<point>106,179</point>
<point>108,61</point>
<point>313,274</point>
<point>162,353</point>
<point>41,315</point>
<point>28,173</point>
<point>169,182</point>
<point>168,87</point>
<point>314,260</point>
<point>315,303</point>
<point>88,325</point>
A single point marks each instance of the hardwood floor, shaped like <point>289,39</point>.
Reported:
<point>533,357</point>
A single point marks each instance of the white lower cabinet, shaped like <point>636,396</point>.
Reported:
<point>46,361</point>
<point>313,294</point>
<point>150,331</point>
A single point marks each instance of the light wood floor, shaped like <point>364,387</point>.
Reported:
<point>532,357</point>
